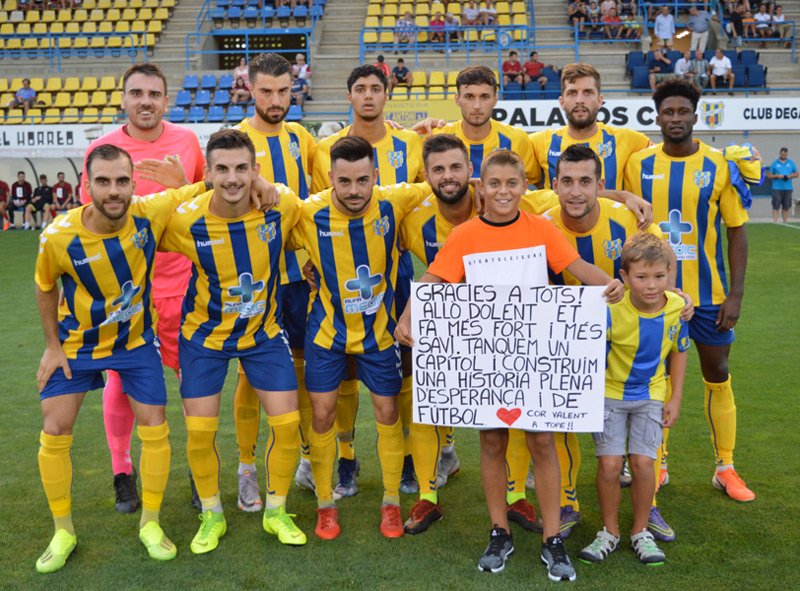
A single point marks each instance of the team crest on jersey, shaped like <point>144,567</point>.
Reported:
<point>701,178</point>
<point>381,226</point>
<point>673,330</point>
<point>140,238</point>
<point>267,232</point>
<point>294,150</point>
<point>712,114</point>
<point>396,159</point>
<point>605,150</point>
<point>613,248</point>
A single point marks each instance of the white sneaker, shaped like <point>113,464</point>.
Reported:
<point>249,492</point>
<point>448,465</point>
<point>303,476</point>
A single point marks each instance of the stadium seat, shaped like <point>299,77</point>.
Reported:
<point>177,114</point>
<point>295,113</point>
<point>251,111</point>
<point>115,99</point>
<point>69,115</point>
<point>216,114</point>
<point>90,115</point>
<point>513,92</point>
<point>203,97</point>
<point>129,14</point>
<point>533,92</point>
<point>226,81</point>
<point>756,75</point>
<point>452,75</point>
<point>99,98</point>
<point>552,91</point>
<point>4,84</point>
<point>107,83</point>
<point>14,117</point>
<point>183,99</point>
<point>208,82</point>
<point>235,113</point>
<point>641,77</point>
<point>674,55</point>
<point>436,92</point>
<point>550,74</point>
<point>80,99</point>
<point>196,114</point>
<point>221,97</point>
<point>436,78</point>
<point>419,79</point>
<point>89,84</point>
<point>283,13</point>
<point>748,57</point>
<point>62,100</point>
<point>72,84</point>
<point>300,15</point>
<point>400,93</point>
<point>37,84</point>
<point>739,73</point>
<point>44,99</point>
<point>108,115</point>
<point>190,82</point>
<point>635,59</point>
<point>52,116</point>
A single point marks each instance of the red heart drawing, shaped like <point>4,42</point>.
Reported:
<point>509,416</point>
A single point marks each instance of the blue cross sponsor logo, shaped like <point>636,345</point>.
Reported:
<point>396,159</point>
<point>140,238</point>
<point>675,227</point>
<point>701,178</point>
<point>127,309</point>
<point>364,283</point>
<point>381,226</point>
<point>605,150</point>
<point>294,150</point>
<point>613,248</point>
<point>246,291</point>
<point>267,232</point>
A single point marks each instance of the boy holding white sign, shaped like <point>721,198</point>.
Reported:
<point>504,228</point>
<point>636,387</point>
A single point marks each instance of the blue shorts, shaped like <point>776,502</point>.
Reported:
<point>293,301</point>
<point>379,370</point>
<point>402,291</point>
<point>268,366</point>
<point>140,370</point>
<point>703,327</point>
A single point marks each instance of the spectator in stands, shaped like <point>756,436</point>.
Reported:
<point>698,67</point>
<point>384,67</point>
<point>683,66</point>
<point>577,14</point>
<point>21,193</point>
<point>613,25</point>
<point>299,89</point>
<point>62,196</point>
<point>593,15</point>
<point>451,26</point>
<point>401,74</point>
<point>489,13</point>
<point>512,69</point>
<point>720,70</point>
<point>631,28</point>
<point>437,29</point>
<point>749,25</point>
<point>626,7</point>
<point>533,70</point>
<point>762,22</point>
<point>41,202</point>
<point>471,14</point>
<point>4,196</point>
<point>242,71</point>
<point>404,31</point>
<point>770,5</point>
<point>698,23</point>
<point>240,92</point>
<point>737,27</point>
<point>605,8</point>
<point>24,97</point>
<point>660,68</point>
<point>303,71</point>
<point>782,28</point>
<point>664,28</point>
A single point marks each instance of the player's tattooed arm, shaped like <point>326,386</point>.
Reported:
<point>641,208</point>
<point>402,332</point>
<point>53,356</point>
<point>168,172</point>
<point>729,311</point>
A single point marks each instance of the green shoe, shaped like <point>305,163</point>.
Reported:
<point>278,522</point>
<point>207,537</point>
<point>61,546</point>
<point>158,545</point>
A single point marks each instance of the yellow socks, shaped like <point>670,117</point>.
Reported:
<point>390,456</point>
<point>569,459</point>
<point>284,438</point>
<point>304,407</point>
<point>518,458</point>
<point>201,449</point>
<point>323,454</point>
<point>345,423</point>
<point>721,415</point>
<point>154,468</point>
<point>426,448</point>
<point>405,408</point>
<point>246,414</point>
<point>55,467</point>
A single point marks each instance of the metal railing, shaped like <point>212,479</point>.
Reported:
<point>57,48</point>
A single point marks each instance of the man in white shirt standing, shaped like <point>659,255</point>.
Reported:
<point>664,28</point>
<point>720,70</point>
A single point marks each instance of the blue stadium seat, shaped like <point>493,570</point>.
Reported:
<point>251,110</point>
<point>533,92</point>
<point>184,98</point>
<point>295,113</point>
<point>191,82</point>
<point>641,77</point>
<point>226,81</point>
<point>223,3</point>
<point>756,76</point>
<point>203,97</point>
<point>316,11</point>
<point>217,16</point>
<point>635,59</point>
<point>235,113</point>
<point>208,82</point>
<point>748,57</point>
<point>234,13</point>
<point>732,55</point>
<point>513,92</point>
<point>550,74</point>
<point>251,13</point>
<point>216,114</point>
<point>268,12</point>
<point>196,114</point>
<point>708,54</point>
<point>552,91</point>
<point>300,12</point>
<point>177,114</point>
<point>739,80</point>
<point>221,97</point>
<point>283,12</point>
<point>673,55</point>
<point>238,3</point>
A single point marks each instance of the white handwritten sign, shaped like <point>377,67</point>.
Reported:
<point>493,356</point>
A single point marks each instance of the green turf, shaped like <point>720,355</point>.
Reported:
<point>721,544</point>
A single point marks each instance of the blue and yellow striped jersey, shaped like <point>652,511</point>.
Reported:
<point>614,145</point>
<point>638,346</point>
<point>107,279</point>
<point>602,245</point>
<point>356,264</point>
<point>398,158</point>
<point>286,158</point>
<point>501,137</point>
<point>230,301</point>
<point>691,197</point>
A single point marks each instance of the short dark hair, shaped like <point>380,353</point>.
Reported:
<point>380,58</point>
<point>148,69</point>
<point>42,176</point>
<point>106,152</point>
<point>401,61</point>
<point>59,172</point>
<point>230,139</point>
<point>20,172</point>
<point>510,53</point>
<point>365,72</point>
<point>476,75</point>
<point>351,148</point>
<point>269,64</point>
<point>442,142</point>
<point>676,87</point>
<point>579,153</point>
<point>784,149</point>
<point>532,53</point>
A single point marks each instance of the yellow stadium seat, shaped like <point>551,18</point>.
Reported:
<point>451,91</point>
<point>48,16</point>
<point>89,84</point>
<point>388,21</point>
<point>33,16</point>
<point>146,14</point>
<point>53,85</point>
<point>37,84</point>
<point>72,28</point>
<point>399,94</point>
<point>137,4</point>
<point>3,17</point>
<point>97,15</point>
<point>386,37</point>
<point>64,16</point>
<point>34,116</point>
<point>63,42</point>
<point>129,14</point>
<point>10,5</point>
<point>105,27</point>
<point>115,99</point>
<point>520,19</point>
<point>372,21</point>
<point>138,27</point>
<point>120,4</point>
<point>370,37</point>
<point>148,40</point>
<point>421,21</point>
<point>115,42</point>
<point>436,92</point>
<point>81,99</point>
<point>45,43</point>
<point>97,42</point>
<point>502,8</point>
<point>455,8</point>
<point>419,78</point>
<point>436,79</point>
<point>16,84</point>
<point>103,4</point>
<point>108,114</point>
<point>390,10</point>
<point>80,43</point>
<point>151,3</point>
<point>44,98</point>
<point>123,27</point>
<point>14,117</point>
<point>72,84</point>
<point>90,115</point>
<point>168,3</point>
<point>80,15</point>
<point>423,10</point>
<point>3,85</point>
<point>161,14</point>
<point>451,77</point>
<point>89,28</point>
<point>62,100</point>
<point>112,16</point>
<point>107,83</point>
<point>57,28</point>
<point>23,29</point>
<point>154,27</point>
<point>69,115</point>
<point>374,10</point>
<point>52,116</point>
<point>30,43</point>
<point>39,29</point>
<point>6,29</point>
<point>404,8</point>
<point>90,4</point>
<point>99,98</point>
<point>517,8</point>
<point>5,98</point>
<point>119,84</point>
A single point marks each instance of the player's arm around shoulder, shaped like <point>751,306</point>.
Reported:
<point>405,196</point>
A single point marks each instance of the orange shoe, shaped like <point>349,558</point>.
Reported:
<point>327,523</point>
<point>391,521</point>
<point>733,486</point>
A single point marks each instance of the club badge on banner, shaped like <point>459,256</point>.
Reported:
<point>490,356</point>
